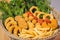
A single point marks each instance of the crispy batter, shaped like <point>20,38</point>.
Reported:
<point>11,25</point>
<point>8,20</point>
<point>16,31</point>
<point>50,15</point>
<point>33,7</point>
<point>36,13</point>
<point>40,14</point>
<point>45,25</point>
<point>31,18</point>
<point>21,22</point>
<point>54,24</point>
<point>11,28</point>
<point>29,27</point>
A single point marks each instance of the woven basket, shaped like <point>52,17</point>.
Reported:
<point>54,12</point>
<point>56,15</point>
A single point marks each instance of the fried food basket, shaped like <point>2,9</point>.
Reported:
<point>12,37</point>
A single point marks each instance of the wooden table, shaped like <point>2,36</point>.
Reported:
<point>3,36</point>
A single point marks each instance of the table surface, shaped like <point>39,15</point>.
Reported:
<point>3,35</point>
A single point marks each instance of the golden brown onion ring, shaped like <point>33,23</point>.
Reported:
<point>33,7</point>
<point>50,15</point>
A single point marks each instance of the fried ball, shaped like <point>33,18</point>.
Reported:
<point>31,18</point>
<point>45,25</point>
<point>25,15</point>
<point>26,18</point>
<point>34,21</point>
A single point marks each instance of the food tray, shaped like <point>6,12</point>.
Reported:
<point>56,15</point>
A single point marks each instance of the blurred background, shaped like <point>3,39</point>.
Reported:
<point>55,4</point>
